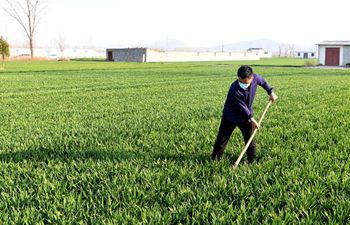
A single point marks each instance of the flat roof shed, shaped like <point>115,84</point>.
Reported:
<point>334,53</point>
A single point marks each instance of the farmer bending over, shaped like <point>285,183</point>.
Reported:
<point>238,111</point>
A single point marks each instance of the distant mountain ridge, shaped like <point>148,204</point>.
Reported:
<point>170,44</point>
<point>266,44</point>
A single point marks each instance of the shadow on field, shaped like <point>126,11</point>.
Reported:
<point>277,66</point>
<point>42,154</point>
<point>89,60</point>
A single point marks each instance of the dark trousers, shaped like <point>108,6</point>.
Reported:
<point>225,131</point>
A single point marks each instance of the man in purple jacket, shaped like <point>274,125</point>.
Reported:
<point>238,111</point>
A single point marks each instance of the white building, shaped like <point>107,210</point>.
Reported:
<point>156,55</point>
<point>260,52</point>
<point>334,53</point>
<point>305,54</point>
<point>55,53</point>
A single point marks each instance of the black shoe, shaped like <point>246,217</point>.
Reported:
<point>252,159</point>
<point>215,157</point>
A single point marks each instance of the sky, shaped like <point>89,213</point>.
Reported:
<point>200,23</point>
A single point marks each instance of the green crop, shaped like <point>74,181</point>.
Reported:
<point>128,143</point>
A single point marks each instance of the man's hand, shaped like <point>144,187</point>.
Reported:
<point>255,124</point>
<point>273,97</point>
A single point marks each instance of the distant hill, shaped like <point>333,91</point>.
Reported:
<point>168,44</point>
<point>266,44</point>
<point>311,47</point>
<point>173,44</point>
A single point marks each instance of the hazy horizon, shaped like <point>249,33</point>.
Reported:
<point>108,23</point>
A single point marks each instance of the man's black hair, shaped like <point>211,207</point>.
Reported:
<point>244,72</point>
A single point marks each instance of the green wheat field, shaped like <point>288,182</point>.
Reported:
<point>94,142</point>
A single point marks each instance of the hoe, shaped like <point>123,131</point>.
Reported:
<point>251,137</point>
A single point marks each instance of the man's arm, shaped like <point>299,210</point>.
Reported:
<point>263,83</point>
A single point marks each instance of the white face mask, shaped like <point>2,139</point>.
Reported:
<point>243,85</point>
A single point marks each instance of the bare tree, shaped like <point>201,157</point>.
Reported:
<point>28,14</point>
<point>280,48</point>
<point>291,50</point>
<point>61,44</point>
<point>286,50</point>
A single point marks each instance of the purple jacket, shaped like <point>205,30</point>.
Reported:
<point>238,106</point>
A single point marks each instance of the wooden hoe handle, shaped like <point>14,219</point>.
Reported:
<point>251,137</point>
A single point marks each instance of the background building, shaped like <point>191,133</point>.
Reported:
<point>157,55</point>
<point>260,52</point>
<point>305,54</point>
<point>334,53</point>
<point>55,53</point>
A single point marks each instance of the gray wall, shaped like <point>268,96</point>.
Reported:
<point>153,55</point>
<point>346,55</point>
<point>128,54</point>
